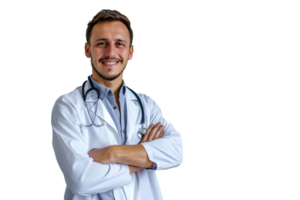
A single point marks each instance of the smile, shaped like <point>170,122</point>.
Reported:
<point>110,64</point>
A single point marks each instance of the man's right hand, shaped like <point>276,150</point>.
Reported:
<point>153,133</point>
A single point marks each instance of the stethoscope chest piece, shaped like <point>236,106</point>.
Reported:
<point>142,131</point>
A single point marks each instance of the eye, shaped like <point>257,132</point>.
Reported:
<point>120,44</point>
<point>101,43</point>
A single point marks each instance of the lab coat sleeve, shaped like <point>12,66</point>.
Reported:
<point>167,151</point>
<point>82,175</point>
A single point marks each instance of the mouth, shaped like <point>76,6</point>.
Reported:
<point>110,63</point>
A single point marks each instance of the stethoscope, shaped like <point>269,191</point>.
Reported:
<point>141,131</point>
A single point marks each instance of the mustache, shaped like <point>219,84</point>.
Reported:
<point>109,58</point>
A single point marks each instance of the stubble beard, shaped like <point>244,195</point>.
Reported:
<point>101,75</point>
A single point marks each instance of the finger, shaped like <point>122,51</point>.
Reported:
<point>157,134</point>
<point>145,137</point>
<point>161,134</point>
<point>152,132</point>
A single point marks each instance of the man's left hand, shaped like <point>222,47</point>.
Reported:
<point>104,156</point>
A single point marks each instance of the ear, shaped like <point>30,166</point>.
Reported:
<point>87,50</point>
<point>132,52</point>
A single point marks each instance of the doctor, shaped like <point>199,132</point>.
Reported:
<point>110,159</point>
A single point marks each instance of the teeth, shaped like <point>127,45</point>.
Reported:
<point>110,63</point>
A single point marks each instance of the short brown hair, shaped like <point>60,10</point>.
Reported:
<point>108,15</point>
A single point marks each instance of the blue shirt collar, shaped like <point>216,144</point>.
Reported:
<point>104,91</point>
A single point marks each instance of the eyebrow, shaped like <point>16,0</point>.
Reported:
<point>101,39</point>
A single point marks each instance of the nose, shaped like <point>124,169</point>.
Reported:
<point>110,51</point>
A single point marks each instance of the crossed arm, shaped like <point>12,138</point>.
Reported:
<point>132,155</point>
<point>135,156</point>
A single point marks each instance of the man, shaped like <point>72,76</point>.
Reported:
<point>97,137</point>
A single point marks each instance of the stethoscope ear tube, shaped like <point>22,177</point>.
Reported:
<point>140,102</point>
<point>93,121</point>
<point>142,130</point>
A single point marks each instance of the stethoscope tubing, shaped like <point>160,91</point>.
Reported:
<point>142,130</point>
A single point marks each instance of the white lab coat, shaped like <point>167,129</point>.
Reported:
<point>71,142</point>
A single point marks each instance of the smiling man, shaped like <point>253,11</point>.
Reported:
<point>108,140</point>
<point>109,47</point>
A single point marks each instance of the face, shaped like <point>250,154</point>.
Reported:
<point>109,49</point>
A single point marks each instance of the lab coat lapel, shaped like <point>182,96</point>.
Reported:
<point>101,110</point>
<point>134,116</point>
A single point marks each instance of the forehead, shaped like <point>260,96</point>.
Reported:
<point>110,31</point>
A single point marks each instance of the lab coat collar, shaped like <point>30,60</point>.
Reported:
<point>92,95</point>
<point>133,111</point>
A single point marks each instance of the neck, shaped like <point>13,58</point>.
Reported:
<point>114,85</point>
